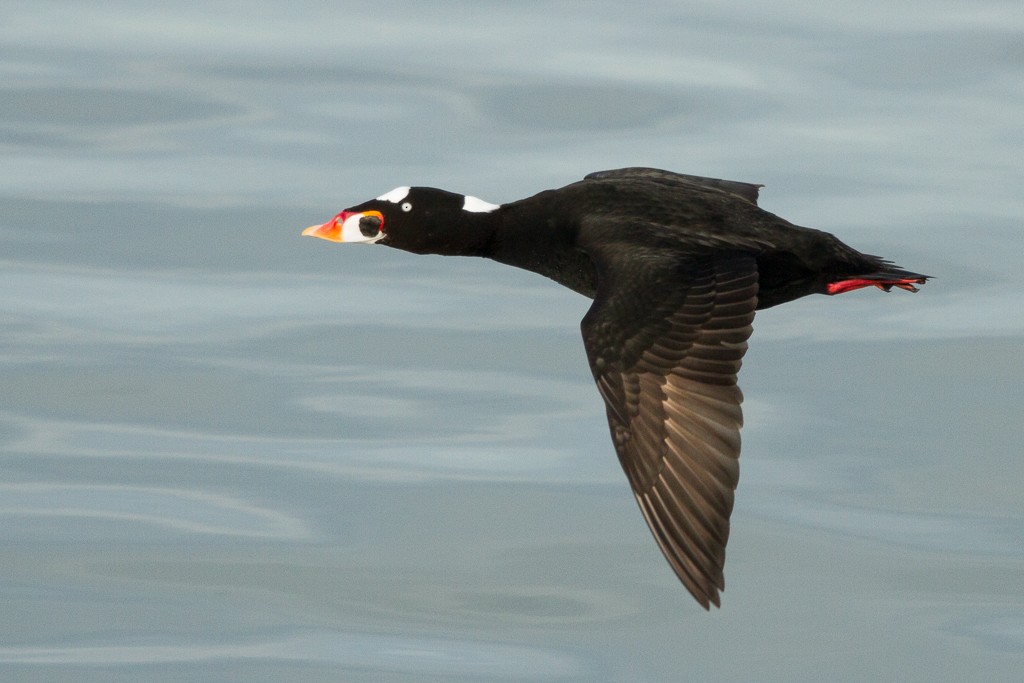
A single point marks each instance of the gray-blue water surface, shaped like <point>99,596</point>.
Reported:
<point>231,454</point>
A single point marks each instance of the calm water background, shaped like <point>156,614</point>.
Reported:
<point>230,454</point>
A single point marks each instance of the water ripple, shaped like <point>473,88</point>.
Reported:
<point>421,656</point>
<point>173,509</point>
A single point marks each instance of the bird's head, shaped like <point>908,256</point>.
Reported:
<point>423,220</point>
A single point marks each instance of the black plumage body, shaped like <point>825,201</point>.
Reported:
<point>550,232</point>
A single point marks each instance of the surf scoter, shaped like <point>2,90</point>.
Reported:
<point>676,265</point>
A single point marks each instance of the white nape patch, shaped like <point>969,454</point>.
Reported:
<point>396,195</point>
<point>477,205</point>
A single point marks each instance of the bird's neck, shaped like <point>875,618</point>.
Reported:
<point>529,237</point>
<point>475,235</point>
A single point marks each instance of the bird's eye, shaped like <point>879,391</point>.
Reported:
<point>406,206</point>
<point>369,225</point>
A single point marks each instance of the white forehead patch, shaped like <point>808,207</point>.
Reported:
<point>477,205</point>
<point>396,195</point>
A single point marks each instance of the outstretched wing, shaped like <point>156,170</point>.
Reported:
<point>747,191</point>
<point>665,337</point>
